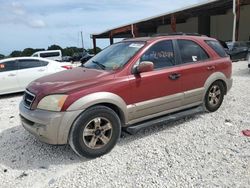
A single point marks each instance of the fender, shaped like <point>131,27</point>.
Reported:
<point>217,76</point>
<point>97,98</point>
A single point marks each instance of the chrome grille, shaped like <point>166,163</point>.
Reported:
<point>28,99</point>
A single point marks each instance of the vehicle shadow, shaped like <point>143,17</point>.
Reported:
<point>7,96</point>
<point>20,150</point>
<point>126,137</point>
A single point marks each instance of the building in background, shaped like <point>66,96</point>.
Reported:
<point>214,18</point>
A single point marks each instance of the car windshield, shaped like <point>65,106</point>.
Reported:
<point>115,56</point>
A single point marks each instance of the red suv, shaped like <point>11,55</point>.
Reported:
<point>131,85</point>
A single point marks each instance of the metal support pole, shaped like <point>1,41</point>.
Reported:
<point>94,44</point>
<point>234,25</point>
<point>173,23</point>
<point>82,43</point>
<point>111,39</point>
<point>237,20</point>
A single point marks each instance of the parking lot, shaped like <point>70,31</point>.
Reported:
<point>206,150</point>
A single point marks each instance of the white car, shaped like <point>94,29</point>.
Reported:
<point>17,73</point>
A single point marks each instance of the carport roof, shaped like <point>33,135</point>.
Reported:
<point>148,26</point>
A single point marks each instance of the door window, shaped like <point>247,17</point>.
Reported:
<point>191,51</point>
<point>29,63</point>
<point>8,66</point>
<point>161,54</point>
<point>44,63</point>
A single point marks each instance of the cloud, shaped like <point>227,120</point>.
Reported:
<point>16,13</point>
<point>17,8</point>
<point>36,23</point>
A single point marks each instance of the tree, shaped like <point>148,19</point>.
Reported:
<point>69,51</point>
<point>54,47</point>
<point>16,53</point>
<point>91,50</point>
<point>2,56</point>
<point>27,52</point>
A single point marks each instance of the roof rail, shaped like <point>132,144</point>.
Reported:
<point>178,33</point>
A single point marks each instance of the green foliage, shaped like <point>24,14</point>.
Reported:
<point>27,52</point>
<point>68,51</point>
<point>2,56</point>
<point>16,53</point>
<point>91,50</point>
<point>54,47</point>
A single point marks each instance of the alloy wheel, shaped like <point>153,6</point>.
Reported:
<point>97,133</point>
<point>214,95</point>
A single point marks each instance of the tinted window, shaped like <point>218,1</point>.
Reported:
<point>49,54</point>
<point>8,66</point>
<point>215,45</point>
<point>44,63</point>
<point>28,63</point>
<point>191,51</point>
<point>161,54</point>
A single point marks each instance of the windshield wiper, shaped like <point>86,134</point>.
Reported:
<point>103,67</point>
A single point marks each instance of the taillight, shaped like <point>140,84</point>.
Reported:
<point>67,67</point>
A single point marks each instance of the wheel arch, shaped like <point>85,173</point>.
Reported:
<point>217,76</point>
<point>107,99</point>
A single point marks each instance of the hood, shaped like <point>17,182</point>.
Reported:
<point>68,81</point>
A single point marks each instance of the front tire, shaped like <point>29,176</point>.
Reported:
<point>95,132</point>
<point>214,96</point>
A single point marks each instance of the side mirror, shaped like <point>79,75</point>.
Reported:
<point>144,66</point>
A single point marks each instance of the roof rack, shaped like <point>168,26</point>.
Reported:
<point>178,33</point>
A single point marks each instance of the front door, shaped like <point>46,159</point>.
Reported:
<point>157,91</point>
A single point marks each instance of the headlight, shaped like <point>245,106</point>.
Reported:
<point>52,102</point>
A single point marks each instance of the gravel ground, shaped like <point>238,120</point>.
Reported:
<point>207,150</point>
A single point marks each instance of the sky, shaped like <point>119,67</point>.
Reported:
<point>41,23</point>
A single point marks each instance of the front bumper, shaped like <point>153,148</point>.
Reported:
<point>49,127</point>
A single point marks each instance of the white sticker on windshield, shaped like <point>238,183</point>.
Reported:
<point>194,58</point>
<point>136,45</point>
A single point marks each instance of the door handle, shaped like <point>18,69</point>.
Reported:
<point>174,76</point>
<point>41,70</point>
<point>210,67</point>
<point>11,74</point>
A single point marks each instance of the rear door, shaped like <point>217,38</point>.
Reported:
<point>195,67</point>
<point>159,90</point>
<point>8,77</point>
<point>29,70</point>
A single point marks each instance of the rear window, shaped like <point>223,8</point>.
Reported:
<point>29,63</point>
<point>216,46</point>
<point>49,54</point>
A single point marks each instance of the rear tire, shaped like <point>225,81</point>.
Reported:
<point>95,132</point>
<point>214,96</point>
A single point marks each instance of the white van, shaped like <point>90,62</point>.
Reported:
<point>55,55</point>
